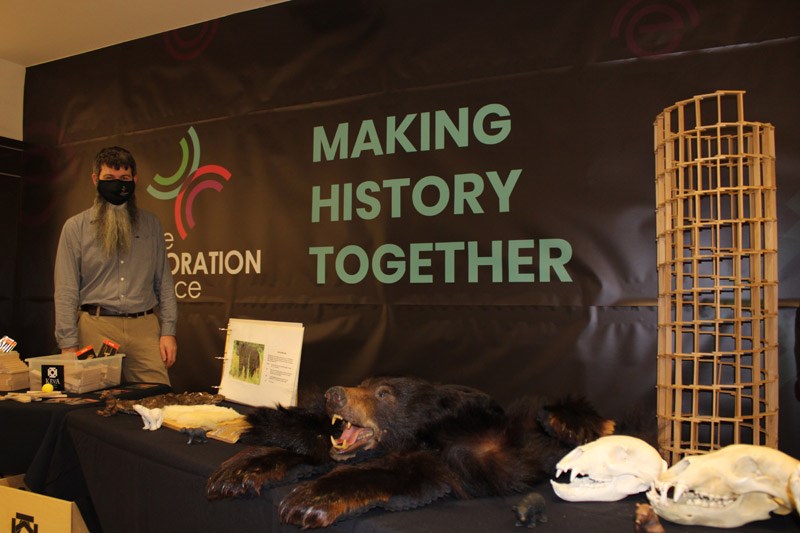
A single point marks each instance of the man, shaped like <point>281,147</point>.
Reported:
<point>111,273</point>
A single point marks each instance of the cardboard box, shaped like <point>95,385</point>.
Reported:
<point>28,511</point>
<point>13,372</point>
<point>67,373</point>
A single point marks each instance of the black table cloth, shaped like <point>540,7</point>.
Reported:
<point>31,429</point>
<point>143,481</point>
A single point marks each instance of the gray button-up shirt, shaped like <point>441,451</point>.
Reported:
<point>131,283</point>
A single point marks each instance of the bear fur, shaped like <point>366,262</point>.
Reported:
<point>399,443</point>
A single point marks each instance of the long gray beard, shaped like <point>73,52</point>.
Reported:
<point>114,225</point>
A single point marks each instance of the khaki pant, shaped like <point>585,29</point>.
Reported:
<point>138,339</point>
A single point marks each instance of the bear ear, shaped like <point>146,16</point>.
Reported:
<point>574,422</point>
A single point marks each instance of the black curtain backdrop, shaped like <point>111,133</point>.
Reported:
<point>480,208</point>
<point>10,189</point>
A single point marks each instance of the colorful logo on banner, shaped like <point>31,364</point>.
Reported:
<point>187,182</point>
<point>654,27</point>
<point>185,48</point>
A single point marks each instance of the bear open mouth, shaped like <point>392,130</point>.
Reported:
<point>352,438</point>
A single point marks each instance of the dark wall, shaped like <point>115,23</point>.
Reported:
<point>222,118</point>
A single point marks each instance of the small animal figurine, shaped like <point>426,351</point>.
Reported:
<point>530,510</point>
<point>646,520</point>
<point>152,418</point>
<point>196,435</point>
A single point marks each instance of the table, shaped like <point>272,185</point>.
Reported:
<point>152,481</point>
<point>39,448</point>
<point>35,426</point>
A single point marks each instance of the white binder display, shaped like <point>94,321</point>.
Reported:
<point>261,365</point>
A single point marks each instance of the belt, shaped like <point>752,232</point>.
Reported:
<point>96,310</point>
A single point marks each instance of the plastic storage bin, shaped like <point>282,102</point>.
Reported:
<point>79,375</point>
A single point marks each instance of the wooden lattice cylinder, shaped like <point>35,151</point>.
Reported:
<point>717,277</point>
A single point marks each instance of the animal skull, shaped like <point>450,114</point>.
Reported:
<point>730,487</point>
<point>608,469</point>
<point>794,487</point>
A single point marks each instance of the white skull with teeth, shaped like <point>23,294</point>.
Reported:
<point>730,487</point>
<point>794,488</point>
<point>608,469</point>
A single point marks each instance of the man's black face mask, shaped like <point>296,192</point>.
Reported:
<point>116,192</point>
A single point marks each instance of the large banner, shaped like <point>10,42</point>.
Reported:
<point>463,191</point>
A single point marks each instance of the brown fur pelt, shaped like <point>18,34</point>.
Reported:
<point>115,405</point>
<point>399,443</point>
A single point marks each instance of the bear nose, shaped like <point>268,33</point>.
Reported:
<point>336,397</point>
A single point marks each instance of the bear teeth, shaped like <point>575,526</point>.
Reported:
<point>335,418</point>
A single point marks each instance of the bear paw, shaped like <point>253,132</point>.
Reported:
<point>307,508</point>
<point>246,473</point>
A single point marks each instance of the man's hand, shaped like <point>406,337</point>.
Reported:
<point>71,350</point>
<point>169,349</point>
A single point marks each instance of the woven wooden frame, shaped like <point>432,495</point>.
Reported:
<point>717,277</point>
